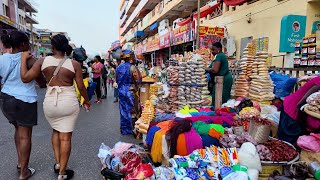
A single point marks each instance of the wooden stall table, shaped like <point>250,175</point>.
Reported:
<point>145,89</point>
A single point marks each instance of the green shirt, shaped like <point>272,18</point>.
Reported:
<point>224,66</point>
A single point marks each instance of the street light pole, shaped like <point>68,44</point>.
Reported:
<point>198,26</point>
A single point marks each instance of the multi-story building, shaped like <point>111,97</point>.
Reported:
<point>45,40</point>
<point>19,14</point>
<point>154,26</point>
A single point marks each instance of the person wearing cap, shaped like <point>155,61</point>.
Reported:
<point>128,79</point>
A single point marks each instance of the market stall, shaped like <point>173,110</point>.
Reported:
<point>184,138</point>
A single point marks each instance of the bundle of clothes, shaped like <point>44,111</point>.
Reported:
<point>181,136</point>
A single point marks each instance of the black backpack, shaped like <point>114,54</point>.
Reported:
<point>104,72</point>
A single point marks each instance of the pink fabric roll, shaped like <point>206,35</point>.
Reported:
<point>193,141</point>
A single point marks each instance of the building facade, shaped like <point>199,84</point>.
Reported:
<point>153,26</point>
<point>44,40</point>
<point>19,15</point>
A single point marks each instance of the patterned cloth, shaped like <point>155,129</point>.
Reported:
<point>126,98</point>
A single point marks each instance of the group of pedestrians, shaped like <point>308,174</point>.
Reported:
<point>68,82</point>
<point>18,99</point>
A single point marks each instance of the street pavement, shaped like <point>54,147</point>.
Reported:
<point>100,125</point>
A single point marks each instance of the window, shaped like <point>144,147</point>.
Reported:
<point>6,11</point>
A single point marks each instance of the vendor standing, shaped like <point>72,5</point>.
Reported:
<point>220,67</point>
<point>293,122</point>
<point>128,77</point>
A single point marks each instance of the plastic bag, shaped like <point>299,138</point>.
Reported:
<point>270,112</point>
<point>142,172</point>
<point>105,155</point>
<point>283,84</point>
<point>249,157</point>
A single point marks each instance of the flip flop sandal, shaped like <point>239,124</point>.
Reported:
<point>32,172</point>
<point>69,175</point>
<point>55,169</point>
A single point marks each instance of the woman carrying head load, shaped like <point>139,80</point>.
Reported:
<point>61,106</point>
<point>18,100</point>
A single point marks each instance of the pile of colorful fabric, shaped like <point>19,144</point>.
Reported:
<point>182,135</point>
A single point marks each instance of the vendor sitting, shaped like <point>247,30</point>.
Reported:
<point>294,122</point>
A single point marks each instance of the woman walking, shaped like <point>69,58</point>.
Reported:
<point>61,106</point>
<point>96,70</point>
<point>18,100</point>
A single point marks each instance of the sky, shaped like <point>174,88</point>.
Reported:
<point>90,23</point>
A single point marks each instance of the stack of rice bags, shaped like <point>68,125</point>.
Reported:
<point>173,78</point>
<point>248,57</point>
<point>182,101</point>
<point>262,87</point>
<point>242,83</point>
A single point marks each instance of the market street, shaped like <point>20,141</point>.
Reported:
<point>101,124</point>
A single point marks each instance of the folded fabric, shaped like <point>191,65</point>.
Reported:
<point>207,141</point>
<point>182,115</point>
<point>210,113</point>
<point>201,127</point>
<point>156,150</point>
<point>187,110</point>
<point>310,143</point>
<point>193,140</point>
<point>150,135</point>
<point>217,127</point>
<point>159,117</point>
<point>215,134</point>
<point>182,145</point>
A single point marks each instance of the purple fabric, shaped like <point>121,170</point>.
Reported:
<point>193,140</point>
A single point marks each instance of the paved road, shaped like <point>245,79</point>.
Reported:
<point>101,124</point>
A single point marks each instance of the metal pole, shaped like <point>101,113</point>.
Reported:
<point>198,26</point>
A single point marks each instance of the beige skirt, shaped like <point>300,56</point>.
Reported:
<point>61,108</point>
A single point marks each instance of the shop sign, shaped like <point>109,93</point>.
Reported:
<point>293,29</point>
<point>6,20</point>
<point>183,34</point>
<point>165,40</point>
<point>139,49</point>
<point>315,27</point>
<point>260,45</point>
<point>209,35</point>
<point>153,45</point>
<point>204,30</point>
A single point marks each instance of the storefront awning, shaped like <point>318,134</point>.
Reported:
<point>154,26</point>
<point>138,34</point>
<point>204,11</point>
<point>234,2</point>
<point>184,22</point>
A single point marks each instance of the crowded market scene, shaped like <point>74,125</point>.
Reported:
<point>185,90</point>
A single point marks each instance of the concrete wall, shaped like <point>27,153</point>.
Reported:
<point>266,18</point>
<point>313,14</point>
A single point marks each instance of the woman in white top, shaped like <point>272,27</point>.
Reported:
<point>61,106</point>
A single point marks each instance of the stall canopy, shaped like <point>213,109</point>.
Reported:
<point>234,2</point>
<point>154,26</point>
<point>138,34</point>
<point>184,22</point>
<point>205,10</point>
